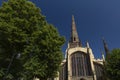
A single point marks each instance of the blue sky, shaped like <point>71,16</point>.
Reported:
<point>94,19</point>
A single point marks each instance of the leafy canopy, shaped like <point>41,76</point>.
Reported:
<point>113,65</point>
<point>28,44</point>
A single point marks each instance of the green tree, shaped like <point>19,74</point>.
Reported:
<point>29,46</point>
<point>113,65</point>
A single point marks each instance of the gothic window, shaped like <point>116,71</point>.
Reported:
<point>80,64</point>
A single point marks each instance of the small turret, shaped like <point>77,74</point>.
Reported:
<point>103,57</point>
<point>105,48</point>
<point>87,44</point>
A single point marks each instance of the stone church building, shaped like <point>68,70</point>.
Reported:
<point>79,62</point>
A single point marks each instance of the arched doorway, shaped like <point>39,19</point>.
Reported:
<point>82,79</point>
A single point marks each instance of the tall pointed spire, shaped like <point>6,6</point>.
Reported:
<point>74,42</point>
<point>74,34</point>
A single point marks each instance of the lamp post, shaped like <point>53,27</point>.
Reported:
<point>11,61</point>
<point>8,68</point>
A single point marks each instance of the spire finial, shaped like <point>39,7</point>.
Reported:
<point>73,20</point>
<point>87,43</point>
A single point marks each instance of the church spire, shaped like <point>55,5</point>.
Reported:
<point>74,34</point>
<point>74,42</point>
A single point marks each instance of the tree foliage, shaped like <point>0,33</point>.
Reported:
<point>29,46</point>
<point>113,65</point>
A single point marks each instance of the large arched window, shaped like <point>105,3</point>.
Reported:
<point>80,64</point>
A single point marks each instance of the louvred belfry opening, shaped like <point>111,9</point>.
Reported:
<point>74,42</point>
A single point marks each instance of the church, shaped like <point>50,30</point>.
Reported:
<point>79,62</point>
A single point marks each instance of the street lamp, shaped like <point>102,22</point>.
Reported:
<point>8,68</point>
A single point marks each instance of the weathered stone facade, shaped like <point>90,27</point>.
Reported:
<point>79,63</point>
